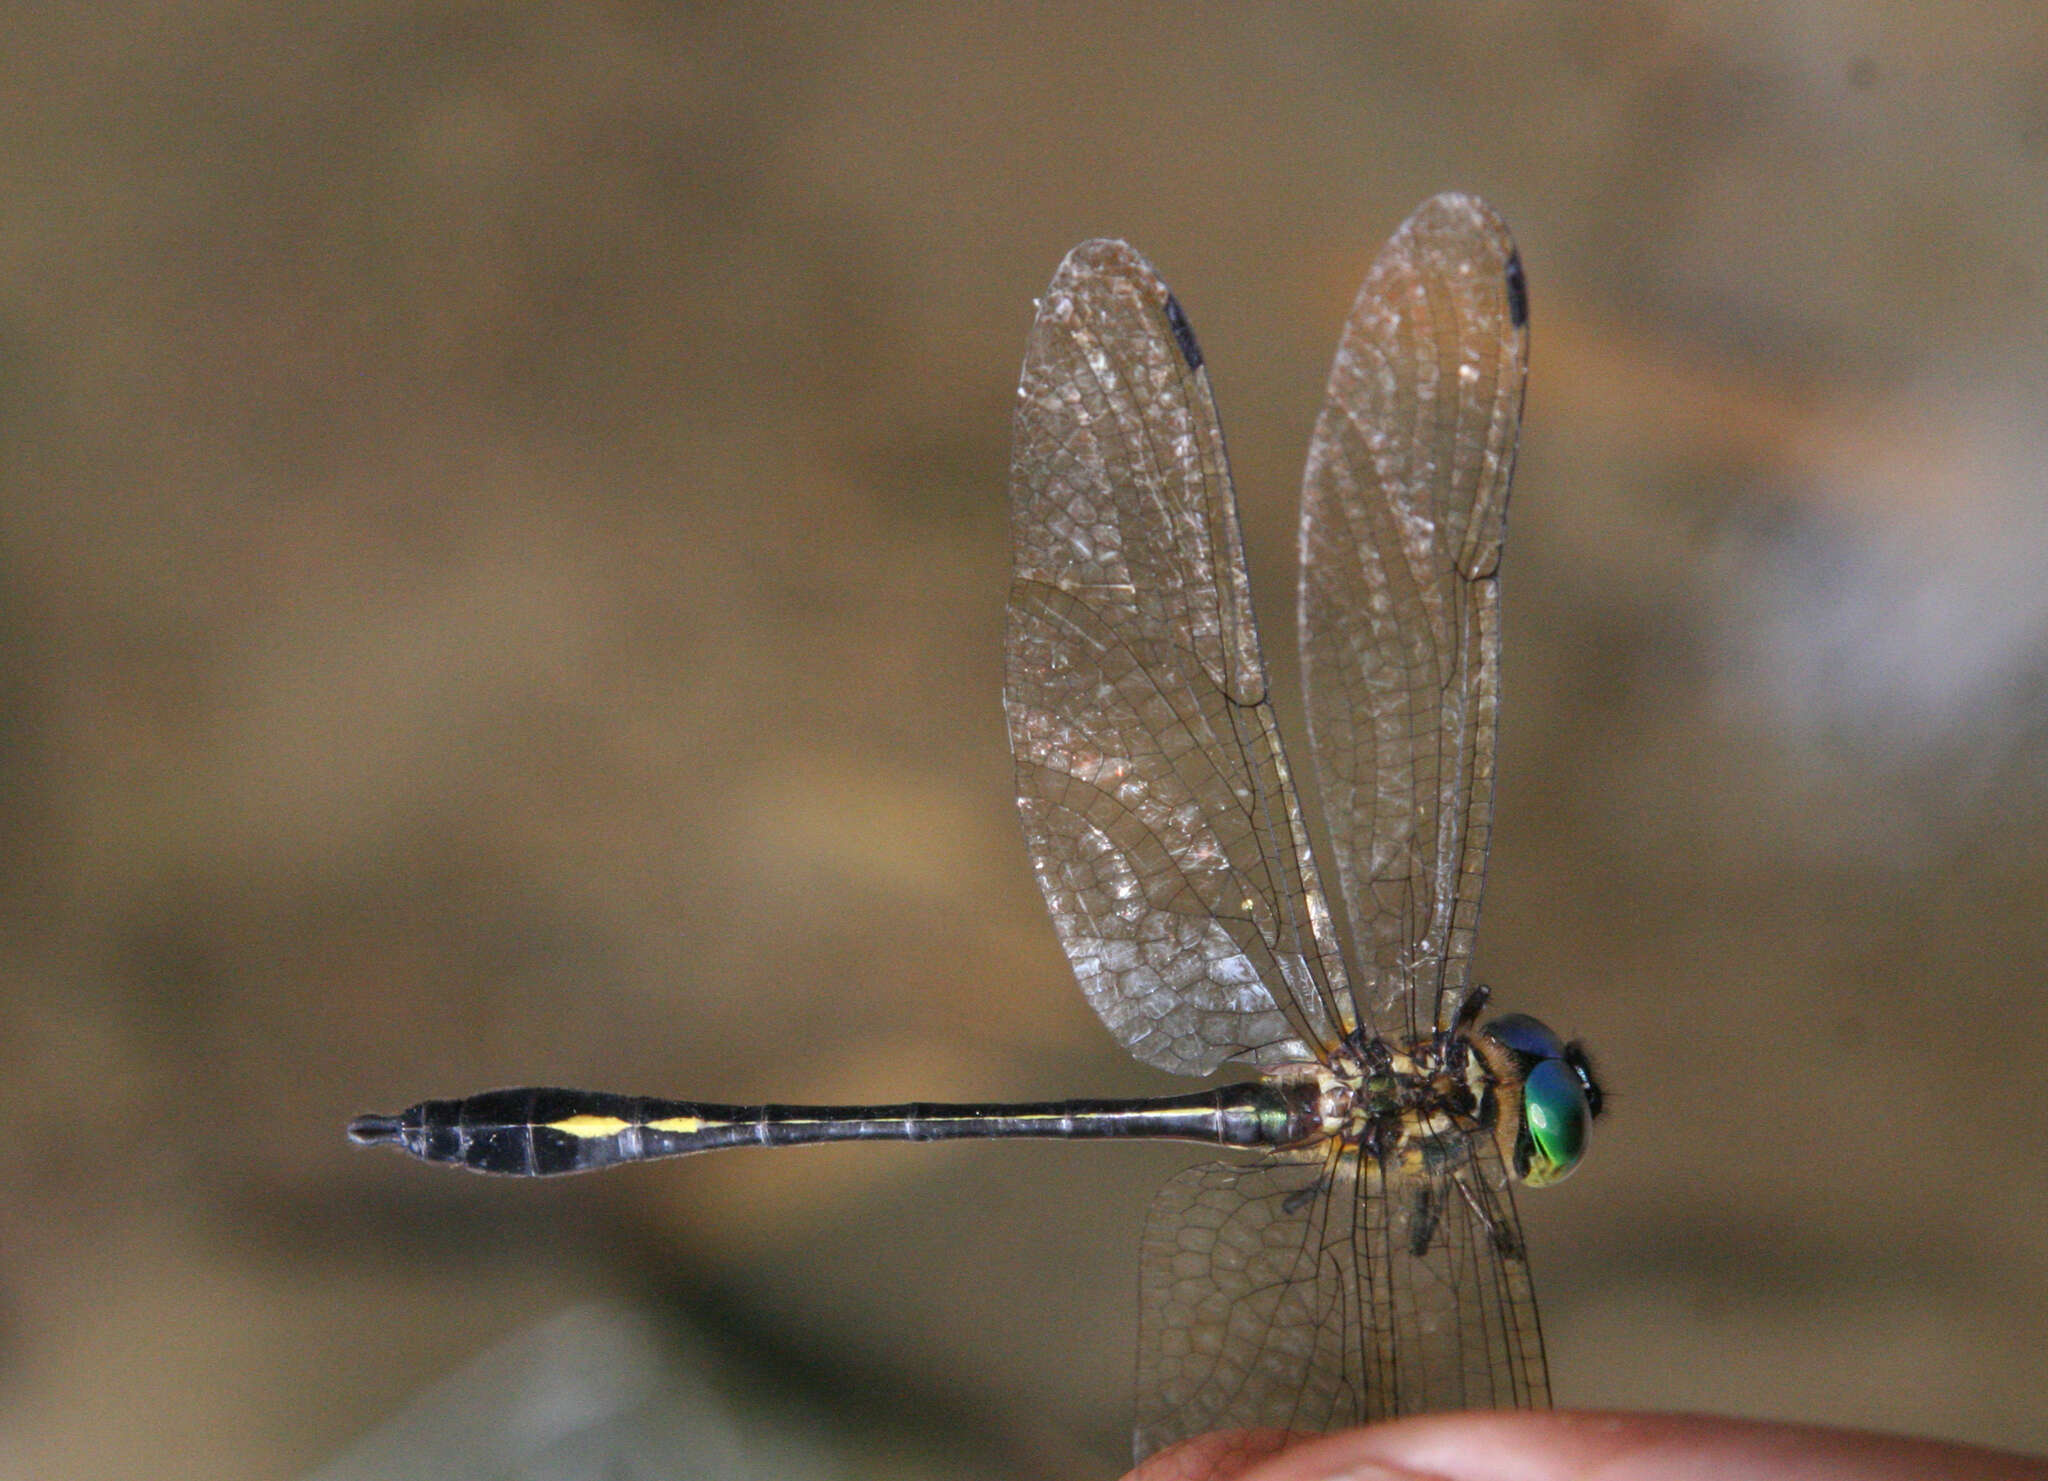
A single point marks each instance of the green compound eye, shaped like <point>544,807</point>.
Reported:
<point>1556,1115</point>
<point>1560,1097</point>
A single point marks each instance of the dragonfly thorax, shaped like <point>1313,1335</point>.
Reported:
<point>1410,1105</point>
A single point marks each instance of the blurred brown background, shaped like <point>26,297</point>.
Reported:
<point>502,575</point>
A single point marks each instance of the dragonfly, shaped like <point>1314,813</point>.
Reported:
<point>1359,1256</point>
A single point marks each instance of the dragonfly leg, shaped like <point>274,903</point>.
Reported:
<point>1424,1214</point>
<point>1302,1197</point>
<point>1504,1238</point>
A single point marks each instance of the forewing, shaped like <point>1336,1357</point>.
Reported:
<point>1304,1295</point>
<point>1162,825</point>
<point>1403,511</point>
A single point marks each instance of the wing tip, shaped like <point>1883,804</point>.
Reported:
<point>1099,255</point>
<point>1458,226</point>
<point>1110,260</point>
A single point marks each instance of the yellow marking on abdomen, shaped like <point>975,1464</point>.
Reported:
<point>681,1125</point>
<point>589,1127</point>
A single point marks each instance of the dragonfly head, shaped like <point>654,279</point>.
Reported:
<point>1558,1097</point>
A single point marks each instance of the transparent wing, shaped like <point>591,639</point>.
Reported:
<point>1162,825</point>
<point>1402,513</point>
<point>1299,1296</point>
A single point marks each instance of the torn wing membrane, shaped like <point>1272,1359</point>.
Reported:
<point>1157,806</point>
<point>1403,512</point>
